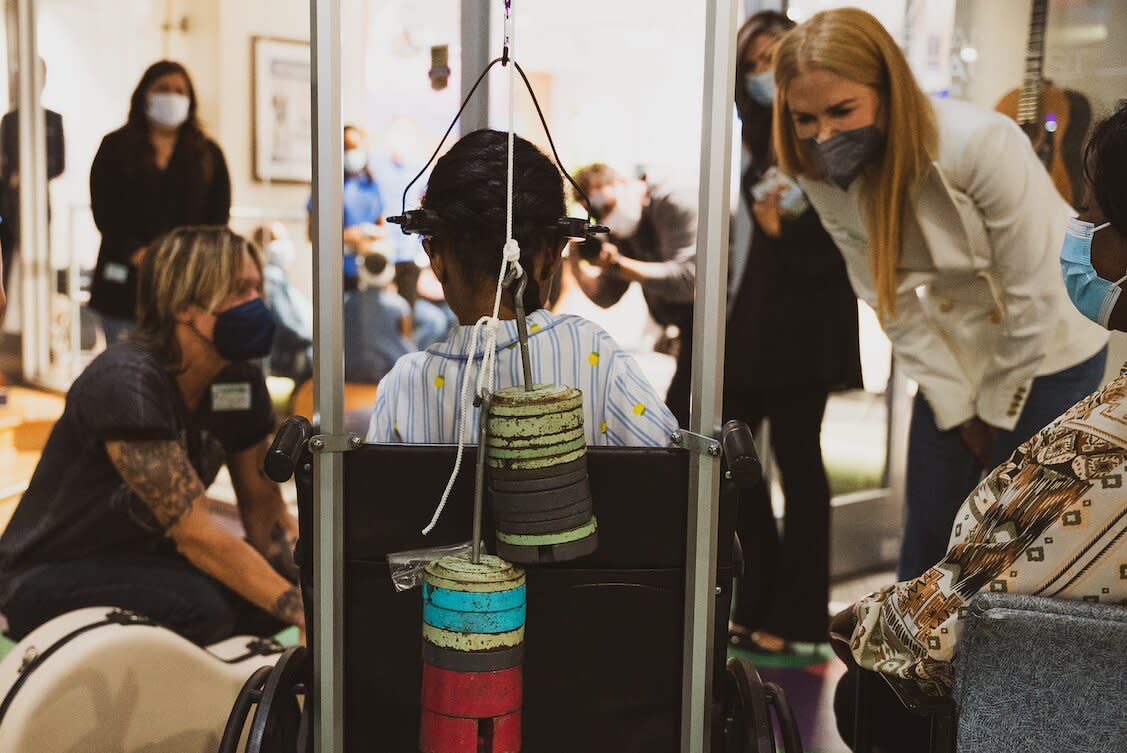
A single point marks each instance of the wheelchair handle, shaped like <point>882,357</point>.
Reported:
<point>286,449</point>
<point>739,454</point>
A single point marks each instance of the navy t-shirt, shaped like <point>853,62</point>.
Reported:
<point>77,506</point>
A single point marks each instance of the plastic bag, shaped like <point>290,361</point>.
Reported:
<point>407,567</point>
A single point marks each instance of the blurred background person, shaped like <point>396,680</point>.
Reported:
<point>949,226</point>
<point>377,324</point>
<point>652,241</point>
<point>393,166</point>
<point>10,171</point>
<point>793,280</point>
<point>292,353</point>
<point>363,206</point>
<point>157,172</point>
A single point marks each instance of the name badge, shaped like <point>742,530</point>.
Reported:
<point>114,272</point>
<point>230,396</point>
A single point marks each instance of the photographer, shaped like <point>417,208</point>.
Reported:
<point>652,241</point>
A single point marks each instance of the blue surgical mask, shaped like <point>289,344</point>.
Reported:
<point>761,87</point>
<point>1094,296</point>
<point>245,332</point>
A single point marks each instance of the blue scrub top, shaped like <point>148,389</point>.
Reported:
<point>362,204</point>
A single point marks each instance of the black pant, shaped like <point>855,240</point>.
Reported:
<point>892,728</point>
<point>785,586</point>
<point>677,398</point>
<point>168,590</point>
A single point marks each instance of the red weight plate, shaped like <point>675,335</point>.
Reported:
<point>447,734</point>
<point>506,734</point>
<point>472,694</point>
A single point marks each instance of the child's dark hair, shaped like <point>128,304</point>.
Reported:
<point>1105,166</point>
<point>467,192</point>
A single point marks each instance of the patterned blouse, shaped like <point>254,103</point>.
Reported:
<point>1050,521</point>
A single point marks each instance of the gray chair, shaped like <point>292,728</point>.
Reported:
<point>1032,674</point>
<point>1036,674</point>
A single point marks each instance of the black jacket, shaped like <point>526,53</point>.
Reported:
<point>10,164</point>
<point>133,204</point>
<point>794,318</point>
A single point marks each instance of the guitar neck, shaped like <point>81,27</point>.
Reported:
<point>1029,105</point>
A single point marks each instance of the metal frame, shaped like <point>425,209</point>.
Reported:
<point>708,370</point>
<point>328,374</point>
<point>36,282</point>
<point>708,346</point>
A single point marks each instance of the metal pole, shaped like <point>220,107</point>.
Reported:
<point>708,359</point>
<point>475,56</point>
<point>35,262</point>
<point>328,375</point>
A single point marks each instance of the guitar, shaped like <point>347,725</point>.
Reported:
<point>1055,119</point>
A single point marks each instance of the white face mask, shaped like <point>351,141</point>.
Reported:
<point>627,213</point>
<point>355,160</point>
<point>168,110</point>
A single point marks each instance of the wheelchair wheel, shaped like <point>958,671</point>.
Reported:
<point>747,716</point>
<point>248,696</point>
<point>277,721</point>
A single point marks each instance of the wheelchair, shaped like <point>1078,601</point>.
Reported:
<point>603,641</point>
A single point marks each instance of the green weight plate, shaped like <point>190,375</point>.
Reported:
<point>561,537</point>
<point>516,455</point>
<point>536,463</point>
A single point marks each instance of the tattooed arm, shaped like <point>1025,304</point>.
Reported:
<point>270,527</point>
<point>160,474</point>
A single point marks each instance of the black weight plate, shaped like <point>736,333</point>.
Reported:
<point>531,473</point>
<point>538,484</point>
<point>549,499</point>
<point>472,661</point>
<point>531,516</point>
<point>552,525</point>
<point>538,555</point>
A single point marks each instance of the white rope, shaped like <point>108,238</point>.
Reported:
<point>510,260</point>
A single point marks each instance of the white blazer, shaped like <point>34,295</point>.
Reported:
<point>981,307</point>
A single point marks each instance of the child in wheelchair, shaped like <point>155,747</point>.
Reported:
<point>417,402</point>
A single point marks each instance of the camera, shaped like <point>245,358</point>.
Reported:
<point>589,248</point>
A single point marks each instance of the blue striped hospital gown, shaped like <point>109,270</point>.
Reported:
<point>418,401</point>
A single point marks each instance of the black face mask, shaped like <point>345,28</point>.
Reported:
<point>245,332</point>
<point>841,157</point>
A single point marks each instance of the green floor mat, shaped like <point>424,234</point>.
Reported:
<point>287,637</point>
<point>6,646</point>
<point>806,654</point>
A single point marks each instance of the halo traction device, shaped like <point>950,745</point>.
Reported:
<point>473,610</point>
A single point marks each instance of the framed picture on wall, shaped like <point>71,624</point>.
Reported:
<point>283,118</point>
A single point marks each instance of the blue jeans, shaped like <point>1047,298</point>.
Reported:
<point>942,471</point>
<point>115,328</point>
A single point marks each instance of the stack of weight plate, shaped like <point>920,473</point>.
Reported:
<point>473,645</point>
<point>537,458</point>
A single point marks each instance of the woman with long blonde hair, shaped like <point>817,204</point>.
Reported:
<point>950,229</point>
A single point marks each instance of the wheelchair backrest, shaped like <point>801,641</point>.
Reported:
<point>603,638</point>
